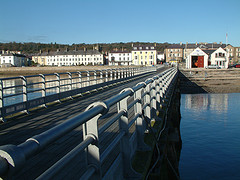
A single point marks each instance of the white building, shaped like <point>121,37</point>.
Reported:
<point>120,58</point>
<point>160,57</point>
<point>202,58</point>
<point>12,59</point>
<point>220,58</point>
<point>197,59</point>
<point>71,58</point>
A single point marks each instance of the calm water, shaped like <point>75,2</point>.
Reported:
<point>210,130</point>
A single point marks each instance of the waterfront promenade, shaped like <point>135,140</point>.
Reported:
<point>21,128</point>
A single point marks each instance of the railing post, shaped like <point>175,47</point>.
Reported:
<point>121,70</point>
<point>140,123</point>
<point>119,73</point>
<point>106,75</point>
<point>25,94</point>
<point>70,79</point>
<point>1,100</point>
<point>88,78</point>
<point>124,73</point>
<point>80,79</point>
<point>115,74</point>
<point>58,85</point>
<point>111,75</point>
<point>90,128</point>
<point>125,147</point>
<point>158,97</point>
<point>43,89</point>
<point>153,103</point>
<point>147,101</point>
<point>95,76</point>
<point>101,76</point>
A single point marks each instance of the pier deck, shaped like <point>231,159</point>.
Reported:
<point>21,128</point>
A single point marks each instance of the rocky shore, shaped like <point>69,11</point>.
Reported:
<point>210,81</point>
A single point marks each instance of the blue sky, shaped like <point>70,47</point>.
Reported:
<point>107,21</point>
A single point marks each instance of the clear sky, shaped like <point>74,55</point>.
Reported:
<point>107,21</point>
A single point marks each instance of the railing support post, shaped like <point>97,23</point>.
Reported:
<point>70,84</point>
<point>125,147</point>
<point>88,78</point>
<point>115,74</point>
<point>80,79</point>
<point>101,76</point>
<point>111,75</point>
<point>25,94</point>
<point>140,123</point>
<point>1,101</point>
<point>95,76</point>
<point>106,76</point>
<point>43,89</point>
<point>90,128</point>
<point>58,85</point>
<point>147,101</point>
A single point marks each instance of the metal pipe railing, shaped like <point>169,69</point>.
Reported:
<point>16,155</point>
<point>50,84</point>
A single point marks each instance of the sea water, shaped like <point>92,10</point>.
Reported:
<point>210,131</point>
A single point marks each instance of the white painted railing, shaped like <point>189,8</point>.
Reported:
<point>146,100</point>
<point>19,94</point>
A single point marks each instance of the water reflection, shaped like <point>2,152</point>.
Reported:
<point>210,136</point>
<point>200,102</point>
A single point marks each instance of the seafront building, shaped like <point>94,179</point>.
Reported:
<point>69,58</point>
<point>179,52</point>
<point>11,58</point>
<point>120,57</point>
<point>201,58</point>
<point>144,55</point>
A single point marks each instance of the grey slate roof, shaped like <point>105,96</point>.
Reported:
<point>194,46</point>
<point>71,52</point>
<point>13,54</point>
<point>143,47</point>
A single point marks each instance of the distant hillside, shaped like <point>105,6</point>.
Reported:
<point>33,48</point>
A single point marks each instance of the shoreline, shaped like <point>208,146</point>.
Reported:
<point>195,81</point>
<point>25,71</point>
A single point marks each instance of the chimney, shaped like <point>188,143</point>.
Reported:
<point>220,43</point>
<point>196,43</point>
<point>180,43</point>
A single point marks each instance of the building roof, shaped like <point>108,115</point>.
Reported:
<point>208,52</point>
<point>144,47</point>
<point>13,54</point>
<point>195,45</point>
<point>70,52</point>
<point>120,51</point>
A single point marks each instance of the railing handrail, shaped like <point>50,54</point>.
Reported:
<point>18,154</point>
<point>82,79</point>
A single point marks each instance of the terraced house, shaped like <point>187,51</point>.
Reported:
<point>144,55</point>
<point>179,52</point>
<point>120,57</point>
<point>69,58</point>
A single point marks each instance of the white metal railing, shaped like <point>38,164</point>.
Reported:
<point>22,93</point>
<point>146,98</point>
